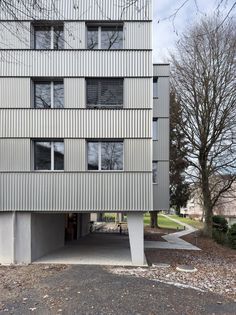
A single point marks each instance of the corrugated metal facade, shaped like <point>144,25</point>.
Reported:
<point>76,189</point>
<point>161,145</point>
<point>15,155</point>
<point>15,35</point>
<point>75,63</point>
<point>137,93</point>
<point>161,198</point>
<point>102,191</point>
<point>15,92</point>
<point>75,123</point>
<point>78,10</point>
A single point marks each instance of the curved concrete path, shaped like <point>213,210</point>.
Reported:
<point>173,240</point>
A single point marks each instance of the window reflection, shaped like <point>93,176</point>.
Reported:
<point>92,38</point>
<point>112,38</point>
<point>112,156</point>
<point>42,37</point>
<point>154,172</point>
<point>43,95</point>
<point>105,155</point>
<point>58,94</point>
<point>93,156</point>
<point>58,155</point>
<point>42,157</point>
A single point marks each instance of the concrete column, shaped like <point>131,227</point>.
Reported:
<point>6,238</point>
<point>136,237</point>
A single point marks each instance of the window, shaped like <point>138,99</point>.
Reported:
<point>105,156</point>
<point>155,87</point>
<point>154,129</point>
<point>105,37</point>
<point>48,37</point>
<point>48,94</point>
<point>154,172</point>
<point>104,92</point>
<point>48,155</point>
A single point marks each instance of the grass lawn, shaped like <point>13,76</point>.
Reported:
<point>194,223</point>
<point>163,222</point>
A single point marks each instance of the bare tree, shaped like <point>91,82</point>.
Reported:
<point>204,82</point>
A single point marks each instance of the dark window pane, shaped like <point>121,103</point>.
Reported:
<point>112,155</point>
<point>112,38</point>
<point>154,172</point>
<point>155,86</point>
<point>92,38</point>
<point>93,156</point>
<point>42,95</point>
<point>58,155</point>
<point>105,92</point>
<point>42,38</point>
<point>58,37</point>
<point>58,95</point>
<point>92,92</point>
<point>42,159</point>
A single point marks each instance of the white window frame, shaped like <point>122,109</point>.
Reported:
<point>51,92</point>
<point>100,156</point>
<point>52,155</point>
<point>99,27</point>
<point>52,35</point>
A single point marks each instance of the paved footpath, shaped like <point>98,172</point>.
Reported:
<point>173,240</point>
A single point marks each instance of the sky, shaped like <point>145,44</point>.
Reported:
<point>165,34</point>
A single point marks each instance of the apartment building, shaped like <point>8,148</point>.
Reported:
<point>76,122</point>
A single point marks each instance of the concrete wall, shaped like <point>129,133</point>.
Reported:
<point>23,238</point>
<point>83,224</point>
<point>6,238</point>
<point>47,234</point>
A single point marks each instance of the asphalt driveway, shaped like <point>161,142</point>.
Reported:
<point>95,290</point>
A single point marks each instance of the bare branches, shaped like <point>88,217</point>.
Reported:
<point>204,82</point>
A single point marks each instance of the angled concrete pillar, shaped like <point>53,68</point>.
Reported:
<point>136,237</point>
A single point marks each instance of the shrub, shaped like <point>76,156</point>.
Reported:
<point>219,236</point>
<point>220,223</point>
<point>232,236</point>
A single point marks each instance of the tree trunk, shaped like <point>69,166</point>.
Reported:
<point>207,205</point>
<point>154,220</point>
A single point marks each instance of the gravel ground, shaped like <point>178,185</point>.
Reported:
<point>96,290</point>
<point>44,289</point>
<point>215,264</point>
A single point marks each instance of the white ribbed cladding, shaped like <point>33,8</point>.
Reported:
<point>138,93</point>
<point>78,10</point>
<point>15,35</point>
<point>80,63</point>
<point>161,196</point>
<point>75,155</point>
<point>75,93</point>
<point>14,154</point>
<point>161,70</point>
<point>138,154</point>
<point>161,146</point>
<point>137,35</point>
<point>15,92</point>
<point>75,191</point>
<point>162,103</point>
<point>75,123</point>
<point>75,35</point>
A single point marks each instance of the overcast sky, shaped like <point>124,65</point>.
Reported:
<point>164,33</point>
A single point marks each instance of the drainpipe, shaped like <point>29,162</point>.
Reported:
<point>14,236</point>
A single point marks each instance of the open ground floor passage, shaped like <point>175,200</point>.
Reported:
<point>69,238</point>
